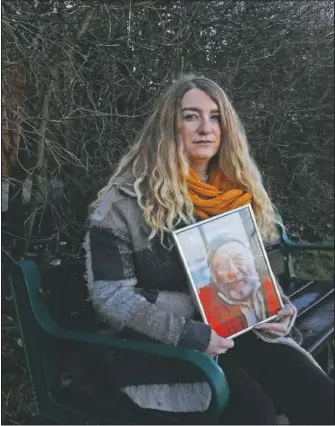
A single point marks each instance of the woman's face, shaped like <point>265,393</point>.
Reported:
<point>200,129</point>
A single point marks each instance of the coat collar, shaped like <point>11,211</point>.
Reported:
<point>127,188</point>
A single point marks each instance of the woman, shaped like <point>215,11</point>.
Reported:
<point>191,161</point>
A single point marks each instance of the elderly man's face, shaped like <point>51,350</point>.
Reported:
<point>233,271</point>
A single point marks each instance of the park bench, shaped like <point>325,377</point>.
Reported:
<point>63,340</point>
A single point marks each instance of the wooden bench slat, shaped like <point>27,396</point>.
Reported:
<point>311,294</point>
<point>318,325</point>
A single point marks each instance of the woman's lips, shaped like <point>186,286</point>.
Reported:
<point>203,142</point>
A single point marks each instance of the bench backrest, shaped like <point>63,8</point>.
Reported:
<point>64,291</point>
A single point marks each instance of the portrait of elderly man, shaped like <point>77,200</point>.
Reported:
<point>236,298</point>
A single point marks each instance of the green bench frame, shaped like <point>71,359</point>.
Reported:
<point>38,328</point>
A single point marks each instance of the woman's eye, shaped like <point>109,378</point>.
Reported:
<point>190,117</point>
<point>216,118</point>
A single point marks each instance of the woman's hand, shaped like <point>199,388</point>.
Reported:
<point>218,345</point>
<point>280,328</point>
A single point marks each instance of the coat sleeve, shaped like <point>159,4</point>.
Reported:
<point>112,288</point>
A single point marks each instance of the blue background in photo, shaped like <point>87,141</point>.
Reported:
<point>201,276</point>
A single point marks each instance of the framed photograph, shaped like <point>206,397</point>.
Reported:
<point>229,272</point>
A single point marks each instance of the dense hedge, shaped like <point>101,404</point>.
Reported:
<point>91,71</point>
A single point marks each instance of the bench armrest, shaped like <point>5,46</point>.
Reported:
<point>212,371</point>
<point>286,241</point>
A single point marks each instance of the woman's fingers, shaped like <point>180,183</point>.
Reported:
<point>218,345</point>
<point>226,343</point>
<point>286,311</point>
<point>278,327</point>
<point>276,333</point>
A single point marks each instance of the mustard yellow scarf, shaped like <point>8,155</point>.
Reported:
<point>217,196</point>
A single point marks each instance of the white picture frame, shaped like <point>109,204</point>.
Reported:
<point>229,272</point>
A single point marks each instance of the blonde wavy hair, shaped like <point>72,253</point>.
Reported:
<point>157,159</point>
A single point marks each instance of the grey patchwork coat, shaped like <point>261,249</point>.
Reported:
<point>141,290</point>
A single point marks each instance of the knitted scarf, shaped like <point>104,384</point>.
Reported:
<point>217,196</point>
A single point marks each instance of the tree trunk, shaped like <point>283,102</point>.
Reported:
<point>39,173</point>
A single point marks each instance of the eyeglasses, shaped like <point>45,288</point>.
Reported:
<point>228,266</point>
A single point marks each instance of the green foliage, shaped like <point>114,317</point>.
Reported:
<point>314,265</point>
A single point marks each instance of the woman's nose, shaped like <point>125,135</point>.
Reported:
<point>205,126</point>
